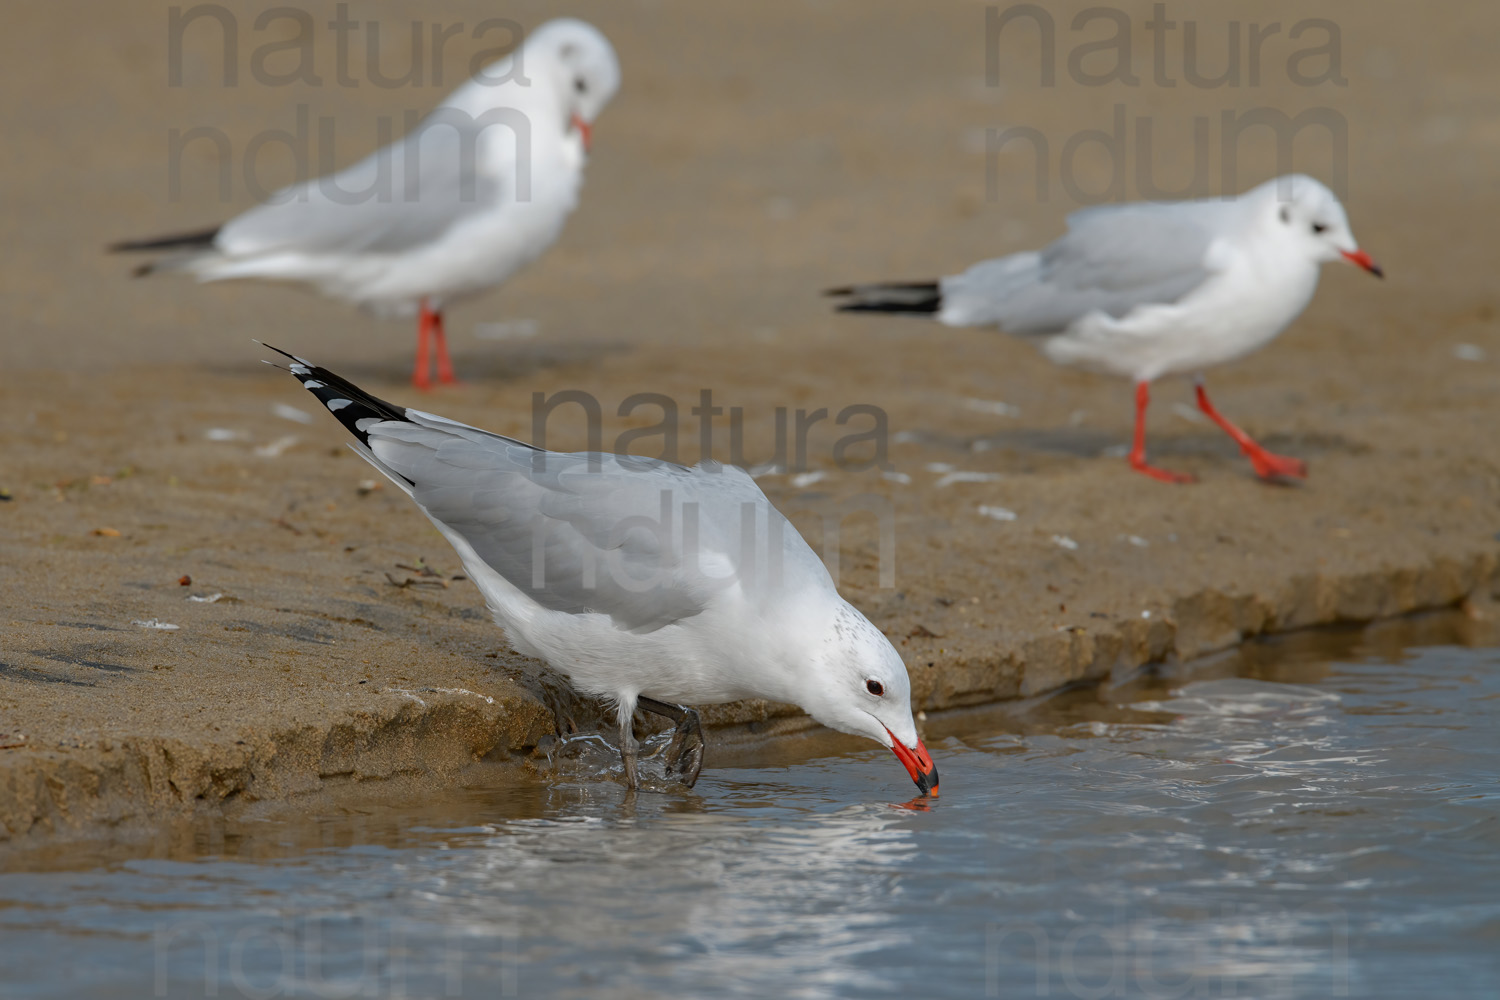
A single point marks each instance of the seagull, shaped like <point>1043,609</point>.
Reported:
<point>1148,289</point>
<point>475,192</point>
<point>650,584</point>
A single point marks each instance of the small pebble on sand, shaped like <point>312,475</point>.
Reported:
<point>291,413</point>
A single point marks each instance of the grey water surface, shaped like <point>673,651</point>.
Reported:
<point>1309,818</point>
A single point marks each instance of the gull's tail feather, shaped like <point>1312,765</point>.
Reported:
<point>184,243</point>
<point>920,297</point>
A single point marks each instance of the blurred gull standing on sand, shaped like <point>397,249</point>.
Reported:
<point>452,209</point>
<point>647,583</point>
<point>1149,289</point>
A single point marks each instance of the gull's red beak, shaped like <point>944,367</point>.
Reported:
<point>1361,259</point>
<point>585,130</point>
<point>918,764</point>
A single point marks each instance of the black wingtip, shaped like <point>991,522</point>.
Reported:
<point>927,307</point>
<point>202,239</point>
<point>348,403</point>
<point>284,354</point>
<point>920,297</point>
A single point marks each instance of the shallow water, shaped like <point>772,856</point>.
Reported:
<point>1312,818</point>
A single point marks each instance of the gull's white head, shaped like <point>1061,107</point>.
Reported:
<point>574,60</point>
<point>859,685</point>
<point>1309,216</point>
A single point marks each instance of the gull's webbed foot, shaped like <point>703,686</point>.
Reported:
<point>685,752</point>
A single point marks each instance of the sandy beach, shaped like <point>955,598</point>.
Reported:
<point>155,472</point>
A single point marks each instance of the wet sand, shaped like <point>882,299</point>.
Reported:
<point>755,156</point>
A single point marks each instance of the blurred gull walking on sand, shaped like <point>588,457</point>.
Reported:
<point>1149,289</point>
<point>452,209</point>
<point>647,583</point>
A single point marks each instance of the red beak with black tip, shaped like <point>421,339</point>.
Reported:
<point>1361,259</point>
<point>918,764</point>
<point>585,130</point>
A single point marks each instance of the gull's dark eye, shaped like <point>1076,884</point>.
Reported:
<point>1319,229</point>
<point>875,687</point>
<point>581,85</point>
<point>1286,215</point>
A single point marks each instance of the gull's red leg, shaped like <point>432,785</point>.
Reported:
<point>444,364</point>
<point>421,373</point>
<point>1267,465</point>
<point>1138,452</point>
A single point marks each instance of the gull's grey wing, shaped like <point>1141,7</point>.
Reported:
<point>647,543</point>
<point>402,196</point>
<point>643,541</point>
<point>1112,259</point>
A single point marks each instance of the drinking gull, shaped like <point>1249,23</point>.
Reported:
<point>643,582</point>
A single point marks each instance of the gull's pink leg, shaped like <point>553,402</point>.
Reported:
<point>1138,452</point>
<point>1267,465</point>
<point>421,373</point>
<point>444,364</point>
